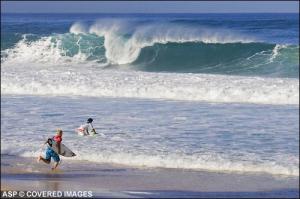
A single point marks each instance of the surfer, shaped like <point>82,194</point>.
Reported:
<point>50,152</point>
<point>84,128</point>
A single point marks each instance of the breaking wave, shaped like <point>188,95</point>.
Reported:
<point>157,48</point>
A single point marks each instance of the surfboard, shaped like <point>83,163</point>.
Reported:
<point>81,133</point>
<point>64,151</point>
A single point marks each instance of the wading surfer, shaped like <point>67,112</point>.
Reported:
<point>50,153</point>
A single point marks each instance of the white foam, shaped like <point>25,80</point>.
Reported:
<point>78,28</point>
<point>212,162</point>
<point>108,83</point>
<point>220,137</point>
<point>275,52</point>
<point>46,52</point>
<point>208,162</point>
<point>43,52</point>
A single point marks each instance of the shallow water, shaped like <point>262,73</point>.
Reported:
<point>158,133</point>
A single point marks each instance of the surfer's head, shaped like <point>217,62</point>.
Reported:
<point>90,120</point>
<point>59,132</point>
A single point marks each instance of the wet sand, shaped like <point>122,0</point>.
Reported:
<point>106,180</point>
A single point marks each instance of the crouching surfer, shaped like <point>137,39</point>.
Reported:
<point>84,129</point>
<point>50,153</point>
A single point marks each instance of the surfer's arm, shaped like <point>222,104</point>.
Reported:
<point>49,141</point>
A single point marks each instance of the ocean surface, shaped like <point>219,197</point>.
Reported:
<point>215,92</point>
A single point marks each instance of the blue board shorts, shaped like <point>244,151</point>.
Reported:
<point>50,153</point>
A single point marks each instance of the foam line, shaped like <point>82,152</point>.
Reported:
<point>108,83</point>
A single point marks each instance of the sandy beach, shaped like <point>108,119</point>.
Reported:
<point>119,181</point>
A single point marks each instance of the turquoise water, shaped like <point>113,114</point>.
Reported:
<point>230,44</point>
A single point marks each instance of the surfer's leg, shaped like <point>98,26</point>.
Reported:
<point>55,165</point>
<point>56,160</point>
<point>47,161</point>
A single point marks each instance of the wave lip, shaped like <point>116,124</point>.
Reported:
<point>124,40</point>
<point>195,87</point>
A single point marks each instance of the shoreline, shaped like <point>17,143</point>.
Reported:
<point>107,180</point>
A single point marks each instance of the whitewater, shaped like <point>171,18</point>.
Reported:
<point>199,92</point>
<point>73,63</point>
<point>243,138</point>
<point>195,87</point>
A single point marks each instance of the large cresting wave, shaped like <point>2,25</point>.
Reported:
<point>222,66</point>
<point>163,47</point>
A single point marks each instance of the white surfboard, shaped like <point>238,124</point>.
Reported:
<point>64,151</point>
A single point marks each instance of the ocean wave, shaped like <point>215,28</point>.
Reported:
<point>110,83</point>
<point>57,49</point>
<point>208,161</point>
<point>152,47</point>
<point>250,59</point>
<point>124,40</point>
